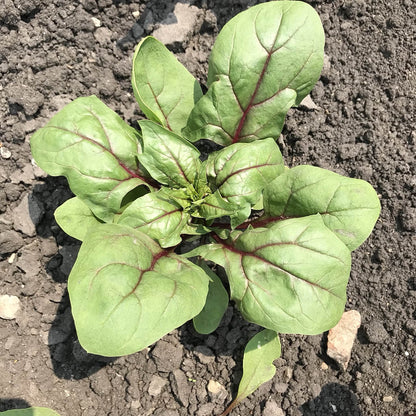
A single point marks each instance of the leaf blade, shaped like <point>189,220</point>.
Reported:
<point>264,61</point>
<point>74,217</point>
<point>209,318</point>
<point>158,216</point>
<point>349,207</point>
<point>95,150</point>
<point>156,289</point>
<point>163,87</point>
<point>241,171</point>
<point>169,158</point>
<point>290,277</point>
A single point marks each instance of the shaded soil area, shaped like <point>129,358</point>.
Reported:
<point>52,51</point>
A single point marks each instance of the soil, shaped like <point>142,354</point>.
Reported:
<point>52,52</point>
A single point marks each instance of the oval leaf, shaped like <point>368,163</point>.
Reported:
<point>158,216</point>
<point>259,354</point>
<point>209,318</point>
<point>169,158</point>
<point>241,171</point>
<point>349,207</point>
<point>75,218</point>
<point>163,87</point>
<point>290,278</point>
<point>126,292</point>
<point>30,411</point>
<point>96,151</point>
<point>265,60</point>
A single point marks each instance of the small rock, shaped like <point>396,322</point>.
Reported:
<point>287,374</point>
<point>5,153</point>
<point>136,14</point>
<point>9,306</point>
<point>387,399</point>
<point>324,366</point>
<point>27,215</point>
<point>204,354</point>
<point>341,338</point>
<point>167,357</point>
<point>411,327</point>
<point>408,219</point>
<point>206,409</point>
<point>176,28</point>
<point>181,387</point>
<point>137,30</point>
<point>29,260</point>
<point>96,22</point>
<point>272,409</point>
<point>10,241</point>
<point>103,35</point>
<point>215,387</point>
<point>156,385</point>
<point>23,176</point>
<point>100,384</point>
<point>375,332</point>
<point>308,103</point>
<point>25,96</point>
<point>281,387</point>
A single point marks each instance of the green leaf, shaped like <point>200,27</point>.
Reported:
<point>265,60</point>
<point>158,216</point>
<point>349,207</point>
<point>126,292</point>
<point>290,277</point>
<point>169,158</point>
<point>215,206</point>
<point>216,304</point>
<point>96,151</point>
<point>75,218</point>
<point>164,89</point>
<point>30,411</point>
<point>259,354</point>
<point>241,171</point>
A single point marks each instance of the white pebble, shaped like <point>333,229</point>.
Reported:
<point>9,306</point>
<point>5,153</point>
<point>97,22</point>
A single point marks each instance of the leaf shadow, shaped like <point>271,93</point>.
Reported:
<point>69,359</point>
<point>334,399</point>
<point>7,403</point>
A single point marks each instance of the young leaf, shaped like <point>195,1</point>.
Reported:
<point>349,207</point>
<point>290,277</point>
<point>96,151</point>
<point>126,292</point>
<point>75,218</point>
<point>169,158</point>
<point>215,206</point>
<point>241,171</point>
<point>30,411</point>
<point>158,216</point>
<point>164,89</point>
<point>265,60</point>
<point>259,354</point>
<point>216,304</point>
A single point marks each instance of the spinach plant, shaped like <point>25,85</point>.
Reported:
<point>284,236</point>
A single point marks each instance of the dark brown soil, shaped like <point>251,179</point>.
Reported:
<point>51,53</point>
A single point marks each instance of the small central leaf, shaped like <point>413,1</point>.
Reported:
<point>169,158</point>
